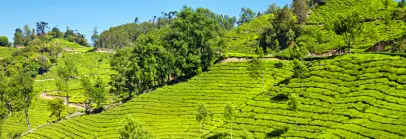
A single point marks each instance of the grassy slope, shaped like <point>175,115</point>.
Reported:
<point>71,45</point>
<point>353,96</point>
<point>39,114</point>
<point>374,30</point>
<point>169,111</point>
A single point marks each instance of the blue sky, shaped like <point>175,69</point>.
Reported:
<point>85,15</point>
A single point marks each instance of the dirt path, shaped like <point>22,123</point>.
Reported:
<point>74,105</point>
<point>44,80</point>
<point>227,60</point>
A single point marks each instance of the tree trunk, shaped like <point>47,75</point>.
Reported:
<point>204,131</point>
<point>67,102</point>
<point>9,107</point>
<point>297,128</point>
<point>263,81</point>
<point>27,119</point>
<point>231,129</point>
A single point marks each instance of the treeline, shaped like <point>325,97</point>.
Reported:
<point>120,36</point>
<point>41,35</point>
<point>183,47</point>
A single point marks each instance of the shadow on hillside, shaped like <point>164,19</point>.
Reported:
<point>280,97</point>
<point>276,133</point>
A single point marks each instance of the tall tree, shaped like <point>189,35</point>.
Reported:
<point>293,105</point>
<point>95,36</point>
<point>273,8</point>
<point>26,92</point>
<point>300,8</point>
<point>56,106</point>
<point>41,28</point>
<point>349,26</point>
<point>203,115</point>
<point>299,70</point>
<point>96,92</point>
<point>66,72</point>
<point>229,115</point>
<point>246,16</point>
<point>133,129</point>
<point>19,39</point>
<point>256,67</point>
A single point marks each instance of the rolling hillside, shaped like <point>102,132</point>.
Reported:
<point>353,96</point>
<point>169,112</point>
<point>88,64</point>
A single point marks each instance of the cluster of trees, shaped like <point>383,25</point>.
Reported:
<point>283,31</point>
<point>123,35</point>
<point>17,75</point>
<point>183,48</point>
<point>16,89</point>
<point>31,37</point>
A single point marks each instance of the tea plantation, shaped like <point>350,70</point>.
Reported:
<point>352,96</point>
<point>169,112</point>
<point>88,64</point>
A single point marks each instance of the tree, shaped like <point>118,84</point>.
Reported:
<point>41,28</point>
<point>65,73</point>
<point>95,36</point>
<point>299,70</point>
<point>273,8</point>
<point>300,8</point>
<point>134,130</point>
<point>229,115</point>
<point>3,41</point>
<point>203,115</point>
<point>349,26</point>
<point>26,92</point>
<point>19,38</point>
<point>256,67</point>
<point>96,92</point>
<point>136,20</point>
<point>293,105</point>
<point>56,33</point>
<point>56,106</point>
<point>402,3</point>
<point>246,16</point>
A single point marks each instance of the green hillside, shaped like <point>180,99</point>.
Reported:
<point>88,64</point>
<point>70,46</point>
<point>243,40</point>
<point>6,52</point>
<point>380,24</point>
<point>353,96</point>
<point>169,111</point>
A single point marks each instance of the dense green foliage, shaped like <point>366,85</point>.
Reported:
<point>180,50</point>
<point>40,36</point>
<point>134,130</point>
<point>56,106</point>
<point>4,41</point>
